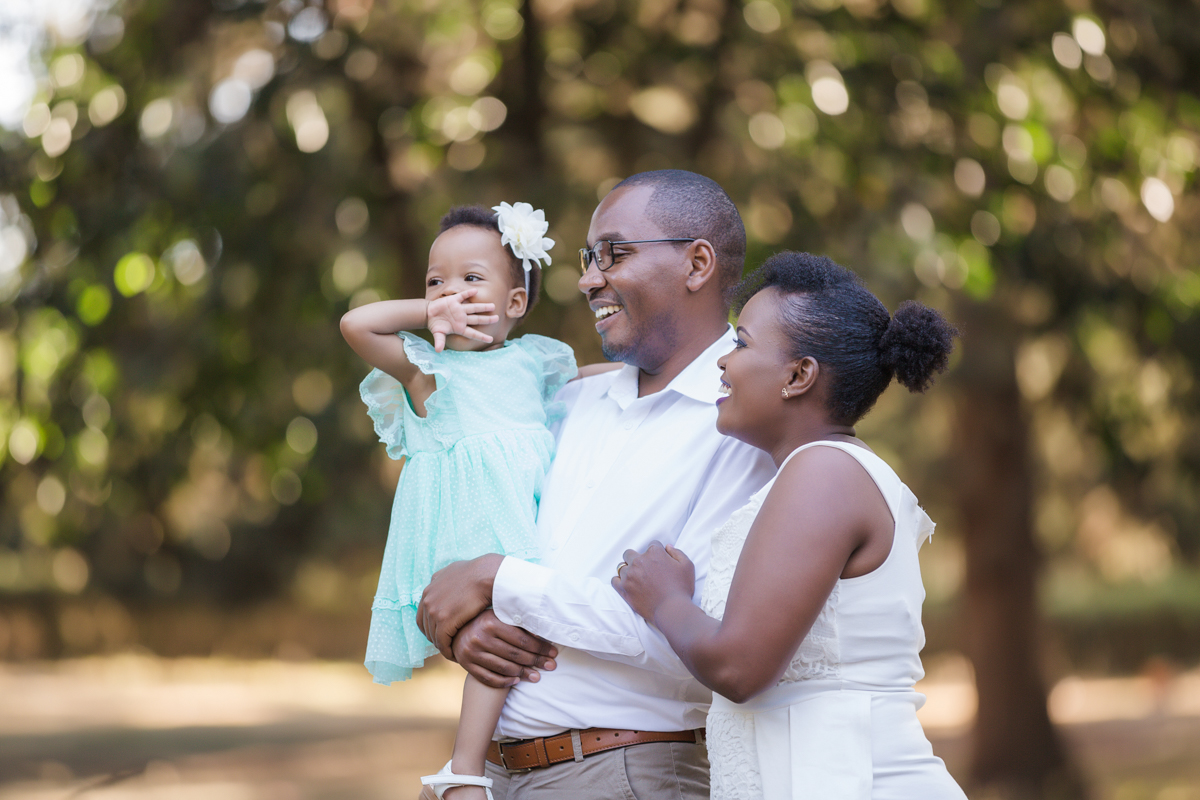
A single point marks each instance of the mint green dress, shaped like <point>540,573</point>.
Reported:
<point>472,479</point>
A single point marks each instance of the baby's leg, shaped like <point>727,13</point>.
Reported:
<point>481,707</point>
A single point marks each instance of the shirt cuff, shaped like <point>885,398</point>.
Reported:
<point>517,591</point>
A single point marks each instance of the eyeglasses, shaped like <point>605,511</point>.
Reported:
<point>602,252</point>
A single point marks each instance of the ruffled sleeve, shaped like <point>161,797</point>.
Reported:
<point>557,362</point>
<point>385,396</point>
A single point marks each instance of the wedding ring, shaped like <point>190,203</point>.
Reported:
<point>622,564</point>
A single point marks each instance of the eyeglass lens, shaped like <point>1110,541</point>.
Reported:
<point>601,253</point>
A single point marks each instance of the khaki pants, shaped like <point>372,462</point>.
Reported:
<point>651,771</point>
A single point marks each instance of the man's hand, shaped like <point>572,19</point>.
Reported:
<point>500,655</point>
<point>455,595</point>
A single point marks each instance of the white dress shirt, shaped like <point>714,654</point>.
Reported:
<point>628,471</point>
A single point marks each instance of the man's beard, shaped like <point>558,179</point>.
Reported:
<point>617,353</point>
<point>647,346</point>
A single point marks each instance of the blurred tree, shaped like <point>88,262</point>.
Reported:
<point>199,188</point>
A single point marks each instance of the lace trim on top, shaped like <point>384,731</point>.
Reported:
<point>733,764</point>
<point>385,397</point>
<point>727,544</point>
<point>819,655</point>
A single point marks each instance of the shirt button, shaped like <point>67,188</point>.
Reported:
<point>574,637</point>
<point>629,425</point>
<point>516,619</point>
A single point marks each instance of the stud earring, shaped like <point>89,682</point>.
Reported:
<point>785,393</point>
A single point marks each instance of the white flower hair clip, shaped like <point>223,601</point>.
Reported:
<point>524,229</point>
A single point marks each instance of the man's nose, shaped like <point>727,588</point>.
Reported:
<point>592,279</point>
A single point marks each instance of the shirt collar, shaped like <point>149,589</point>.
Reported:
<point>700,380</point>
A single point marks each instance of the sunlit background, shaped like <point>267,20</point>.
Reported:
<point>193,191</point>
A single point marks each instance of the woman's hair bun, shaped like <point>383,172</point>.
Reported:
<point>916,345</point>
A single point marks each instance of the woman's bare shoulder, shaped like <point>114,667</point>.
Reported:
<point>819,475</point>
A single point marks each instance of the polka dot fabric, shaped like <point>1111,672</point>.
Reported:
<point>472,479</point>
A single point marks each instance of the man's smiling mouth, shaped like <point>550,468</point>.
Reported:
<point>603,312</point>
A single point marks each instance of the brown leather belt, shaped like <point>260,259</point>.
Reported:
<point>542,752</point>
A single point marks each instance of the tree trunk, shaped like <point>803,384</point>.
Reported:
<point>527,124</point>
<point>1016,751</point>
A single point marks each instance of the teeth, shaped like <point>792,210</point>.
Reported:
<point>606,311</point>
<point>724,389</point>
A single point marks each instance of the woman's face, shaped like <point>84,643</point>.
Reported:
<point>754,374</point>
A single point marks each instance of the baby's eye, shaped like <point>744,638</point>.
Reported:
<point>474,277</point>
<point>434,282</point>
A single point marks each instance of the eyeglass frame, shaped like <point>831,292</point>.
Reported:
<point>585,261</point>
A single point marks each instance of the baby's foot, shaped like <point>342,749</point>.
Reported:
<point>465,793</point>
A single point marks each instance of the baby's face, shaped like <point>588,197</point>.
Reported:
<point>470,257</point>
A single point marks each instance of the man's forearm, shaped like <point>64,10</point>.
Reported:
<point>580,613</point>
<point>455,595</point>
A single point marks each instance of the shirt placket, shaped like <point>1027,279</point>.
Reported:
<point>615,441</point>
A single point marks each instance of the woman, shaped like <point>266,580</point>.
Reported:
<point>809,625</point>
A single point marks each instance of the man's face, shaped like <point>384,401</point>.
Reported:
<point>638,299</point>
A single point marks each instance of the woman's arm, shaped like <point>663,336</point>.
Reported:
<point>371,329</point>
<point>822,510</point>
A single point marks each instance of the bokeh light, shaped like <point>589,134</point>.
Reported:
<point>157,117</point>
<point>1089,35</point>
<point>1157,197</point>
<point>308,121</point>
<point>230,100</point>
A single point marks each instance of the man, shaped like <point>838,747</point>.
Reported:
<point>639,459</point>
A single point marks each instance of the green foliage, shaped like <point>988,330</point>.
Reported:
<point>177,406</point>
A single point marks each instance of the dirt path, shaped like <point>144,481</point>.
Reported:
<point>133,727</point>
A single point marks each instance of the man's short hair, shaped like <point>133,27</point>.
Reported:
<point>685,204</point>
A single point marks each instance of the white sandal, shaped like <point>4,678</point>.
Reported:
<point>445,779</point>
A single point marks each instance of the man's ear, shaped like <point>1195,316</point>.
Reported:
<point>702,264</point>
<point>803,376</point>
<point>517,300</point>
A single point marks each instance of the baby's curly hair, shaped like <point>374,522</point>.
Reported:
<point>827,313</point>
<point>480,217</point>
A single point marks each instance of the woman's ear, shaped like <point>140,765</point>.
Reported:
<point>803,377</point>
<point>517,300</point>
<point>702,264</point>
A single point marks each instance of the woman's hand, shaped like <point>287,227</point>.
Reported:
<point>450,314</point>
<point>647,580</point>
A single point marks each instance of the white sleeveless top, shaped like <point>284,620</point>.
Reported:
<point>821,732</point>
